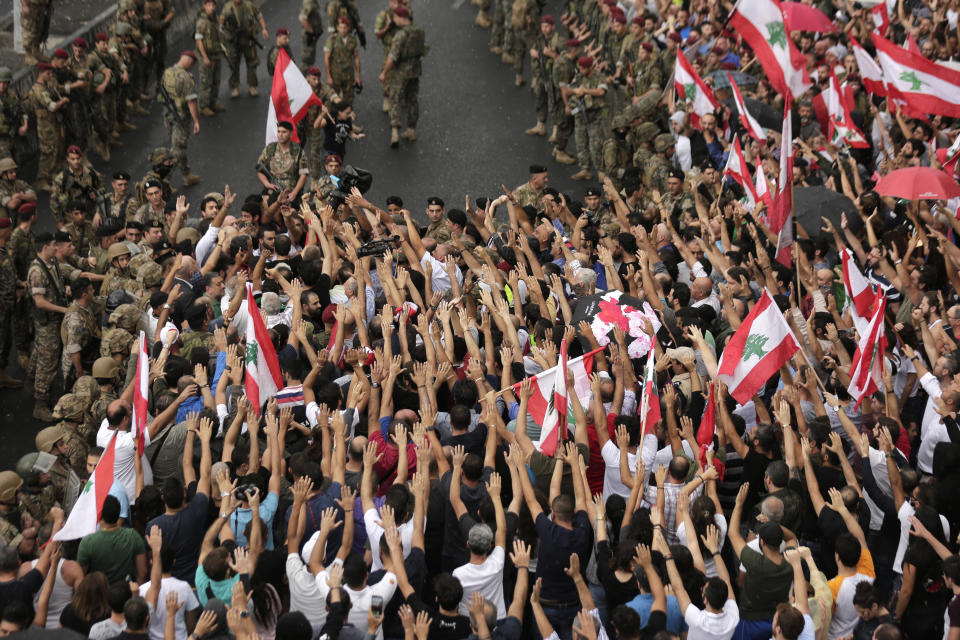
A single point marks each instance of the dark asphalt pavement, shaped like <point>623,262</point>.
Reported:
<point>470,140</point>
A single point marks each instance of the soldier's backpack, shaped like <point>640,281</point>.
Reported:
<point>416,43</point>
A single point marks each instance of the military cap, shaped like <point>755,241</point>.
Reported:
<point>647,104</point>
<point>150,274</point>
<point>618,122</point>
<point>138,259</point>
<point>124,28</point>
<point>548,19</point>
<point>7,164</point>
<point>49,437</point>
<point>151,183</point>
<point>333,157</point>
<point>283,31</point>
<point>159,155</point>
<point>101,37</point>
<point>5,223</point>
<point>663,142</point>
<point>594,191</point>
<point>434,201</point>
<point>41,67</point>
<point>676,37</point>
<point>61,53</point>
<point>105,367</point>
<point>116,250</point>
<point>637,20</point>
<point>6,75</point>
<point>619,17</point>
<point>43,238</point>
<point>86,389</point>
<point>314,71</point>
<point>25,468</point>
<point>585,61</point>
<point>572,43</point>
<point>188,54</point>
<point>121,175</point>
<point>75,149</point>
<point>69,407</point>
<point>647,46</point>
<point>188,233</point>
<point>61,236</point>
<point>80,42</point>
<point>537,168</point>
<point>126,316</point>
<point>401,12</point>
<point>107,229</point>
<point>676,173</point>
<point>115,340</point>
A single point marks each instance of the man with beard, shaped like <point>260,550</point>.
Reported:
<point>809,127</point>
<point>706,143</point>
<point>312,310</point>
<point>122,205</point>
<point>75,182</point>
<point>13,192</point>
<point>163,161</point>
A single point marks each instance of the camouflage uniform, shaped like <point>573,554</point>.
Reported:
<point>311,14</point>
<point>406,50</point>
<point>68,185</point>
<point>384,18</point>
<point>156,28</point>
<point>33,22</point>
<point>682,200</point>
<point>103,106</point>
<point>208,30</point>
<point>544,96</point>
<point>83,236</point>
<point>78,120</point>
<point>116,279</point>
<point>564,72</point>
<point>342,71</point>
<point>240,39</point>
<point>8,301</point>
<point>12,117</point>
<point>37,501</point>
<point>439,231</point>
<point>9,532</point>
<point>22,249</point>
<point>315,134</point>
<point>337,9</point>
<point>44,279</point>
<point>525,20</point>
<point>180,86</point>
<point>7,189</point>
<point>285,165</point>
<point>123,209</point>
<point>98,410</point>
<point>79,333</point>
<point>160,173</point>
<point>526,195</point>
<point>589,130</point>
<point>50,131</point>
<point>193,339</point>
<point>647,75</point>
<point>617,153</point>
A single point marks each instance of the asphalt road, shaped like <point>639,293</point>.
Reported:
<point>470,141</point>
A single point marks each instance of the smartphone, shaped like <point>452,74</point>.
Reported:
<point>376,606</point>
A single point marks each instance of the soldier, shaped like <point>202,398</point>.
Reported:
<point>314,119</point>
<point>162,162</point>
<point>617,152</point>
<point>106,371</point>
<point>180,107</point>
<point>121,204</point>
<point>107,75</point>
<point>328,179</point>
<point>79,333</point>
<point>35,21</point>
<point>118,273</point>
<point>37,494</point>
<point>66,483</point>
<point>403,68</point>
<point>384,29</point>
<point>155,207</point>
<point>8,301</point>
<point>647,75</point>
<point>13,192</point>
<point>586,99</point>
<point>47,104</point>
<point>239,20</point>
<point>530,192</point>
<point>130,48</point>
<point>71,410</point>
<point>657,171</point>
<point>45,286</point>
<point>341,61</point>
<point>668,57</point>
<point>542,54</point>
<point>22,248</point>
<point>282,165</point>
<point>75,182</point>
<point>14,119</point>
<point>525,19</point>
<point>209,40</point>
<point>675,199</point>
<point>311,19</point>
<point>77,81</point>
<point>564,72</point>
<point>157,15</point>
<point>643,137</point>
<point>437,229</point>
<point>282,42</point>
<point>82,233</point>
<point>337,9</point>
<point>12,519</point>
<point>106,237</point>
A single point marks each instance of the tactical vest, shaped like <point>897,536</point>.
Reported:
<point>55,294</point>
<point>415,45</point>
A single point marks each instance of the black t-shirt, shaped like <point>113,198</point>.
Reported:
<point>70,620</point>
<point>335,136</point>
<point>185,530</point>
<point>754,468</point>
<point>443,627</point>
<point>22,589</point>
<point>472,441</point>
<point>454,543</point>
<point>414,564</point>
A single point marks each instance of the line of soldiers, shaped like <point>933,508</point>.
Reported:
<point>597,78</point>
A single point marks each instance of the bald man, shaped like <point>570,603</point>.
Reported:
<point>701,293</point>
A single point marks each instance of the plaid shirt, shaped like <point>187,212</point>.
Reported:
<point>671,492</point>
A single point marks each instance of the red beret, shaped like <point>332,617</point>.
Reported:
<point>548,19</point>
<point>44,66</point>
<point>343,20</point>
<point>401,12</point>
<point>75,149</point>
<point>61,53</point>
<point>637,20</point>
<point>101,37</point>
<point>619,17</point>
<point>80,42</point>
<point>571,43</point>
<point>5,223</point>
<point>676,37</point>
<point>27,207</point>
<point>718,51</point>
<point>189,54</point>
<point>282,31</point>
<point>728,66</point>
<point>334,157</point>
<point>329,314</point>
<point>647,46</point>
<point>585,61</point>
<point>314,71</point>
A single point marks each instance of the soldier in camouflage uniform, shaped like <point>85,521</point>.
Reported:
<point>46,287</point>
<point>323,182</point>
<point>675,199</point>
<point>65,481</point>
<point>71,410</point>
<point>564,72</point>
<point>529,192</point>
<point>37,494</point>
<point>162,160</point>
<point>647,75</point>
<point>282,43</point>
<point>497,23</point>
<point>341,61</point>
<point>75,182</point>
<point>22,249</point>
<point>313,120</point>
<point>402,72</point>
<point>282,164</point>
<point>46,102</point>
<point>80,333</point>
<point>11,517</point>
<point>657,171</point>
<point>14,119</point>
<point>239,19</point>
<point>8,301</point>
<point>617,152</point>
<point>82,234</point>
<point>115,343</point>
<point>311,19</point>
<point>525,19</point>
<point>77,79</point>
<point>86,389</point>
<point>35,22</point>
<point>179,85</point>
<point>157,15</point>
<point>106,371</point>
<point>107,76</point>
<point>13,192</point>
<point>129,47</point>
<point>668,57</point>
<point>642,138</point>
<point>384,29</point>
<point>337,9</point>
<point>438,228</point>
<point>209,39</point>
<point>586,97</point>
<point>544,51</point>
<point>118,274</point>
<point>121,204</point>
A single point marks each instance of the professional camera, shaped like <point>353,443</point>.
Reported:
<point>376,247</point>
<point>350,177</point>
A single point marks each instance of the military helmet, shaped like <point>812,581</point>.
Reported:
<point>69,407</point>
<point>647,131</point>
<point>7,164</point>
<point>646,105</point>
<point>117,298</point>
<point>25,470</point>
<point>115,341</point>
<point>159,156</point>
<point>49,437</point>
<point>138,259</point>
<point>618,122</point>
<point>10,482</point>
<point>663,142</point>
<point>150,274</point>
<point>116,250</point>
<point>126,316</point>
<point>126,5</point>
<point>124,28</point>
<point>86,389</point>
<point>105,367</point>
<point>6,75</point>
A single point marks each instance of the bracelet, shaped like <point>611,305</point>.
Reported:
<point>716,553</point>
<point>348,510</point>
<point>224,515</point>
<point>668,558</point>
<point>224,494</point>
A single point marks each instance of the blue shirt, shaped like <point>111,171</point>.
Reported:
<point>196,402</point>
<point>315,507</point>
<point>642,603</point>
<point>241,517</point>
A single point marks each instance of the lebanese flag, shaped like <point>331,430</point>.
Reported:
<point>761,24</point>
<point>737,169</point>
<point>748,121</point>
<point>951,157</point>
<point>926,86</point>
<point>543,405</point>
<point>870,72</point>
<point>85,514</point>
<point>912,45</point>
<point>866,371</point>
<point>881,19</point>
<point>650,401</point>
<point>841,125</point>
<point>783,202</point>
<point>290,97</point>
<point>690,87</point>
<point>708,423</point>
<point>140,393</point>
<point>263,377</point>
<point>762,344</point>
<point>847,133</point>
<point>762,189</point>
<point>855,285</point>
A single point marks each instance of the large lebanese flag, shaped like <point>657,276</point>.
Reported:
<point>762,344</point>
<point>870,72</point>
<point>926,86</point>
<point>738,170</point>
<point>650,401</point>
<point>841,125</point>
<point>748,121</point>
<point>263,377</point>
<point>85,514</point>
<point>866,370</point>
<point>141,389</point>
<point>762,189</point>
<point>542,406</point>
<point>760,23</point>
<point>783,202</point>
<point>855,285</point>
<point>290,97</point>
<point>690,87</point>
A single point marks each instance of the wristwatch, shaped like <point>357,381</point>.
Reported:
<point>375,385</point>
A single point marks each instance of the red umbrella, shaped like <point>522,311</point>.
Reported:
<point>803,17</point>
<point>918,183</point>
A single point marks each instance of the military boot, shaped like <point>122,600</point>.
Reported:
<point>496,50</point>
<point>41,410</point>
<point>394,138</point>
<point>583,174</point>
<point>506,58</point>
<point>519,82</point>
<point>43,185</point>
<point>139,110</point>
<point>483,20</point>
<point>207,111</point>
<point>553,135</point>
<point>410,134</point>
<point>126,126</point>
<point>385,107</point>
<point>235,92</point>
<point>8,382</point>
<point>253,92</point>
<point>539,130</point>
<point>218,107</point>
<point>190,179</point>
<point>563,157</point>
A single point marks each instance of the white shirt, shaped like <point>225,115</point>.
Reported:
<point>159,618</point>
<point>932,430</point>
<point>844,613</point>
<point>611,478</point>
<point>360,600</point>
<point>709,563</point>
<point>903,515</point>
<point>440,279</point>
<point>205,244</point>
<point>485,578</point>
<point>706,625</point>
<point>371,521</point>
<point>307,594</point>
<point>124,458</point>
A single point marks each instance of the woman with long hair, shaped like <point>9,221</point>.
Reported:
<point>89,604</point>
<point>923,595</point>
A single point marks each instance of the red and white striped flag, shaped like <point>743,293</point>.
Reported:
<point>761,24</point>
<point>290,97</point>
<point>542,406</point>
<point>263,377</point>
<point>86,511</point>
<point>650,401</point>
<point>690,87</point>
<point>870,72</point>
<point>738,170</point>
<point>841,125</point>
<point>762,344</point>
<point>926,86</point>
<point>140,393</point>
<point>748,121</point>
<point>856,286</point>
<point>762,189</point>
<point>881,19</point>
<point>780,218</point>
<point>866,370</point>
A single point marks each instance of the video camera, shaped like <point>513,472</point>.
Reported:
<point>350,177</point>
<point>376,248</point>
